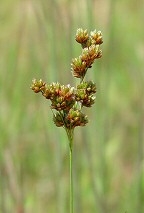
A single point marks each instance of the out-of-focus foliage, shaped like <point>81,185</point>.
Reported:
<point>37,40</point>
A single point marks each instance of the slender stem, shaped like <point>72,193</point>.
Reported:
<point>71,181</point>
<point>70,137</point>
<point>70,134</point>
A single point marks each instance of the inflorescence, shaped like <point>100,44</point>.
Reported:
<point>66,100</point>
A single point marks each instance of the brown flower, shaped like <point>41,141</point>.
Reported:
<point>75,118</point>
<point>62,97</point>
<point>81,36</point>
<point>38,86</point>
<point>96,37</point>
<point>78,67</point>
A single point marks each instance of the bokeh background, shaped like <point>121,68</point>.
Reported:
<point>37,40</point>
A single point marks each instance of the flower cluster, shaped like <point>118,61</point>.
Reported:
<point>62,97</point>
<point>85,93</point>
<point>70,120</point>
<point>91,51</point>
<point>66,100</point>
<point>87,40</point>
<point>38,86</point>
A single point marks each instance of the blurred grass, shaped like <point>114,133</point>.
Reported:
<point>37,41</point>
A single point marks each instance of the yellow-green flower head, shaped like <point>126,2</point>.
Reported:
<point>38,86</point>
<point>75,118</point>
<point>89,86</point>
<point>85,93</point>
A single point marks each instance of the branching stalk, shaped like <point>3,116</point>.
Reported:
<point>68,101</point>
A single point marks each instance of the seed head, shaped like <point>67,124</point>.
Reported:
<point>66,100</point>
<point>78,67</point>
<point>62,97</point>
<point>85,93</point>
<point>38,86</point>
<point>81,36</point>
<point>75,118</point>
<point>96,37</point>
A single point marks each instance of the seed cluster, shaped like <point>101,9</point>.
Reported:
<point>72,119</point>
<point>62,97</point>
<point>91,51</point>
<point>69,101</point>
<point>85,93</point>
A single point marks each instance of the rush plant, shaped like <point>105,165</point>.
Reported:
<point>66,101</point>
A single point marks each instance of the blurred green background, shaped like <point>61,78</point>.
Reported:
<point>37,40</point>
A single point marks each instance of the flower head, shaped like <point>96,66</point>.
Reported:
<point>75,118</point>
<point>62,97</point>
<point>78,67</point>
<point>82,36</point>
<point>38,86</point>
<point>66,100</point>
<point>96,37</point>
<point>85,93</point>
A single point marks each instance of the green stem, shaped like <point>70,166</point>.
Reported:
<point>71,181</point>
<point>70,133</point>
<point>70,137</point>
